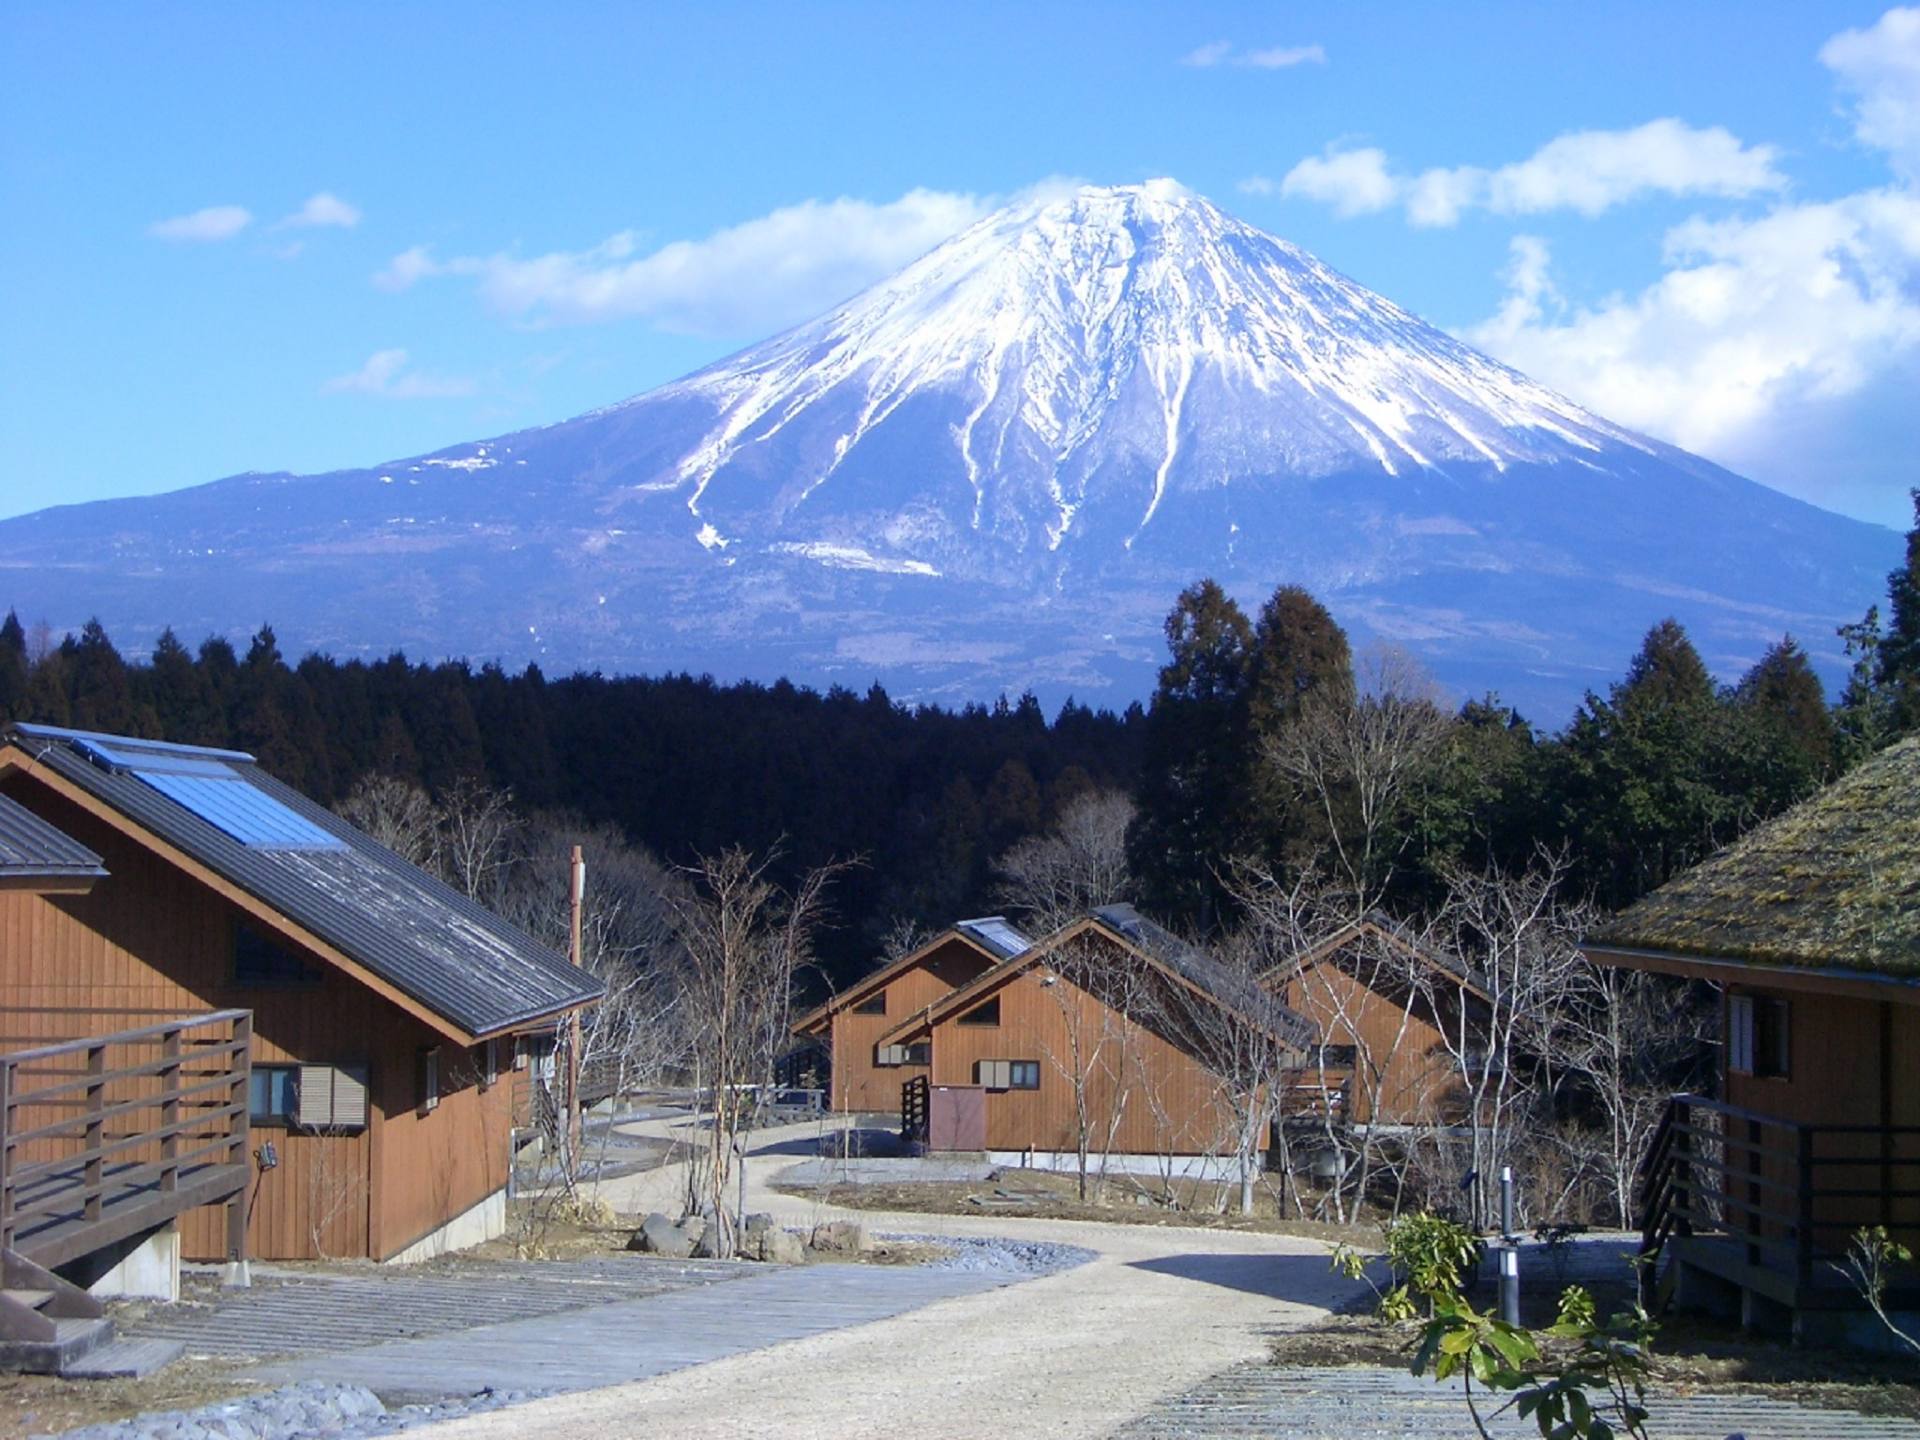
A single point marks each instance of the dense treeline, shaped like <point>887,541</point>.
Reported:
<point>1267,744</point>
<point>925,797</point>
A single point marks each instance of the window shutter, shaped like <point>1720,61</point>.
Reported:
<point>995,1074</point>
<point>331,1097</point>
<point>429,1079</point>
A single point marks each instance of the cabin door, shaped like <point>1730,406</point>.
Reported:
<point>957,1118</point>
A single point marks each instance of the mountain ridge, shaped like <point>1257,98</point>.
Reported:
<point>992,471</point>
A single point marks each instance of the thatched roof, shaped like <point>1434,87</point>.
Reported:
<point>1832,883</point>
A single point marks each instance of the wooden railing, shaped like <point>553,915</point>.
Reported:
<point>1791,1194</point>
<point>116,1133</point>
<point>913,1109</point>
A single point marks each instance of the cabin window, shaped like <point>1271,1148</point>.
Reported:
<point>987,1014</point>
<point>273,1094</point>
<point>1757,1040</point>
<point>261,963</point>
<point>489,1064</point>
<point>1333,1057</point>
<point>332,1097</point>
<point>429,1079</point>
<point>1007,1074</point>
<point>874,1004</point>
<point>919,1053</point>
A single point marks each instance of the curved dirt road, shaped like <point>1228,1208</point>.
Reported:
<point>1074,1354</point>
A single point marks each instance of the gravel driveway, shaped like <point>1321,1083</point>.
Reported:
<point>1074,1354</point>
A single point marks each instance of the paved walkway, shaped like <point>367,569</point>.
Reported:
<point>1158,1310</point>
<point>610,1344</point>
<point>1368,1403</point>
<point>305,1311</point>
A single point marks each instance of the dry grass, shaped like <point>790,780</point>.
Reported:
<point>1051,1195</point>
<point>46,1404</point>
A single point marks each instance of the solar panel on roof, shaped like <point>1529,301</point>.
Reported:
<point>997,935</point>
<point>249,815</point>
<point>157,764</point>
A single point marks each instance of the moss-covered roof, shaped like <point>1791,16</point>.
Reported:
<point>1834,882</point>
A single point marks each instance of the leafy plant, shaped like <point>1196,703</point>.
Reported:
<point>1426,1255</point>
<point>1871,1255</point>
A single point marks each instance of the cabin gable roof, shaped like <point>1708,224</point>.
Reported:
<point>1830,886</point>
<point>377,915</point>
<point>36,856</point>
<point>963,932</point>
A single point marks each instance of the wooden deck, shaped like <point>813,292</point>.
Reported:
<point>107,1137</point>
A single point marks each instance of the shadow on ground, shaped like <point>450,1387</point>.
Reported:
<point>1303,1278</point>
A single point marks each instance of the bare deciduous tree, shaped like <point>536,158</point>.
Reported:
<point>1052,879</point>
<point>399,814</point>
<point>744,939</point>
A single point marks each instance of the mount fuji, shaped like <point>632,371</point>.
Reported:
<point>994,471</point>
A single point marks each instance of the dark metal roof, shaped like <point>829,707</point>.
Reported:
<point>1228,987</point>
<point>30,847</point>
<point>995,934</point>
<point>455,957</point>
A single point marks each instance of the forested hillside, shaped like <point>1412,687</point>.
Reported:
<point>1268,746</point>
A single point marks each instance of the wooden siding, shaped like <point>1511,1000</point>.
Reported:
<point>1145,1094</point>
<point>151,943</point>
<point>1404,1072</point>
<point>1850,1062</point>
<point>860,1085</point>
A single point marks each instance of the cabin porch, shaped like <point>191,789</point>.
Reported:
<point>1752,1214</point>
<point>105,1141</point>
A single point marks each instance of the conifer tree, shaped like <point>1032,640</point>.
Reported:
<point>13,669</point>
<point>1793,730</point>
<point>1898,656</point>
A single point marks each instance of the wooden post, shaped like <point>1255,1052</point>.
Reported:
<point>578,891</point>
<point>239,1096</point>
<point>6,1156</point>
<point>95,1169</point>
<point>170,1110</point>
<point>1803,1241</point>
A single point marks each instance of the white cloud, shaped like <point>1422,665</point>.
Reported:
<point>323,209</point>
<point>1271,57</point>
<point>1588,171</point>
<point>386,373</point>
<point>1353,182</point>
<point>781,268</point>
<point>1752,319</point>
<point>1880,67</point>
<point>216,222</point>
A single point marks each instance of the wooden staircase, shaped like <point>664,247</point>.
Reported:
<point>46,1323</point>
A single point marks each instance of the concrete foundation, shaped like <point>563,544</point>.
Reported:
<point>485,1221</point>
<point>1176,1167</point>
<point>146,1267</point>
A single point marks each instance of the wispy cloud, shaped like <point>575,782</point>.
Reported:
<point>216,222</point>
<point>322,210</point>
<point>1588,171</point>
<point>1271,57</point>
<point>775,270</point>
<point>1768,340</point>
<point>386,374</point>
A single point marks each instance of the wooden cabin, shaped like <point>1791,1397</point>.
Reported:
<point>1110,1018</point>
<point>365,1013</point>
<point>1810,926</point>
<point>866,1076</point>
<point>1394,1022</point>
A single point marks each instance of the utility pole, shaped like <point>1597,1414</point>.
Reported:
<point>578,891</point>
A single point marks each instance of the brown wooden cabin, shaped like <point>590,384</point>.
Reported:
<point>1110,997</point>
<point>1810,924</point>
<point>366,1011</point>
<point>1392,1021</point>
<point>867,1076</point>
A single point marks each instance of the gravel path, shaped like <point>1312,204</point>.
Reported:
<point>1080,1352</point>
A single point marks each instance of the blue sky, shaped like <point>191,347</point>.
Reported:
<point>309,236</point>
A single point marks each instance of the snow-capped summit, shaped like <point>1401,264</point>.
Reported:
<point>1092,353</point>
<point>995,469</point>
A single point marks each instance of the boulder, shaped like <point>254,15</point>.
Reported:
<point>658,1235</point>
<point>774,1246</point>
<point>840,1237</point>
<point>759,1223</point>
<point>695,1226</point>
